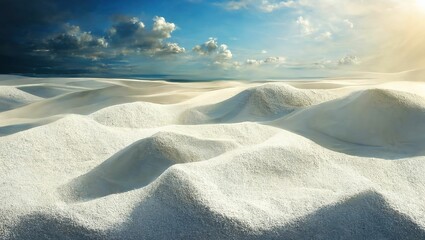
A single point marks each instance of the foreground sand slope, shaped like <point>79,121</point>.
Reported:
<point>125,159</point>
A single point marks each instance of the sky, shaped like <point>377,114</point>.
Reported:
<point>200,39</point>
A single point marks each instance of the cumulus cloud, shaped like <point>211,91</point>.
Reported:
<point>218,53</point>
<point>305,26</point>
<point>74,42</point>
<point>130,35</point>
<point>207,48</point>
<point>224,53</point>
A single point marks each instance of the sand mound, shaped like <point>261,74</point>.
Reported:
<point>11,97</point>
<point>142,162</point>
<point>47,91</point>
<point>262,103</point>
<point>375,117</point>
<point>82,102</point>
<point>130,169</point>
<point>136,115</point>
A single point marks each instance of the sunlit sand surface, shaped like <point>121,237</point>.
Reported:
<point>88,158</point>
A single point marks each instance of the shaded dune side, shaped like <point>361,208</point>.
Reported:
<point>86,102</point>
<point>83,102</point>
<point>374,117</point>
<point>363,216</point>
<point>142,162</point>
<point>262,103</point>
<point>48,90</point>
<point>41,226</point>
<point>12,97</point>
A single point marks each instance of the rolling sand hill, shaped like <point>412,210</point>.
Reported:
<point>86,158</point>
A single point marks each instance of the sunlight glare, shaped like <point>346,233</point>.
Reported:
<point>421,4</point>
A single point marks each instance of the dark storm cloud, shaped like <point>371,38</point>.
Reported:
<point>74,42</point>
<point>24,22</point>
<point>36,38</point>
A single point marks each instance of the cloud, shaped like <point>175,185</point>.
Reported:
<point>224,53</point>
<point>305,26</point>
<point>127,36</point>
<point>324,36</point>
<point>348,23</point>
<point>261,5</point>
<point>217,53</point>
<point>349,60</point>
<point>267,61</point>
<point>74,42</point>
<point>270,6</point>
<point>70,49</point>
<point>130,35</point>
<point>274,60</point>
<point>207,48</point>
<point>235,5</point>
<point>24,23</point>
<point>253,62</point>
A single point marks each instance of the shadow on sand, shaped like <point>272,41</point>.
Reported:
<point>364,216</point>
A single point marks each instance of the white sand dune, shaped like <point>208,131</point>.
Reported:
<point>136,115</point>
<point>126,159</point>
<point>260,103</point>
<point>11,97</point>
<point>374,117</point>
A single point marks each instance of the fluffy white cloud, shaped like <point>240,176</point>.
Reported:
<point>168,49</point>
<point>305,26</point>
<point>130,35</point>
<point>211,49</point>
<point>224,53</point>
<point>161,28</point>
<point>207,48</point>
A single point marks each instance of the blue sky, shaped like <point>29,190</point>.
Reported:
<point>198,38</point>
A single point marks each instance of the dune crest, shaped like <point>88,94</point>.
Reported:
<point>260,103</point>
<point>374,117</point>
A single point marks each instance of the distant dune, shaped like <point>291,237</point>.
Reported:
<point>91,158</point>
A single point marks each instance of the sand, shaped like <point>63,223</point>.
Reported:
<point>91,158</point>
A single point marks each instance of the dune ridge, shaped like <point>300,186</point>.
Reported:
<point>124,159</point>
